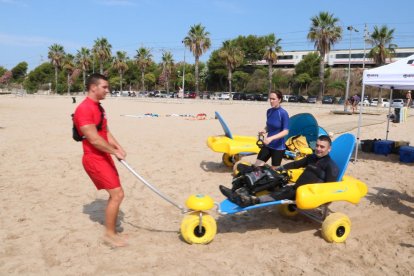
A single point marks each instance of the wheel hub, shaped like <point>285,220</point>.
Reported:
<point>340,231</point>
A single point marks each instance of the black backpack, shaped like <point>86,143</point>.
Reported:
<point>256,179</point>
<point>75,134</point>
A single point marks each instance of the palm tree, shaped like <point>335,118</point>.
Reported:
<point>325,33</point>
<point>143,60</point>
<point>121,65</point>
<point>56,55</point>
<point>69,67</point>
<point>382,49</point>
<point>167,63</point>
<point>233,57</point>
<point>198,41</point>
<point>272,48</point>
<point>83,60</point>
<point>102,51</point>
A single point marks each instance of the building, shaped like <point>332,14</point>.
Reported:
<point>336,58</point>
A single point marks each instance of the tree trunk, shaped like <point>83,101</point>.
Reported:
<point>84,81</point>
<point>321,76</point>
<point>196,76</point>
<point>270,75</point>
<point>120,81</point>
<point>56,74</point>
<point>101,67</point>
<point>68,84</point>
<point>168,85</point>
<point>379,103</point>
<point>229,77</point>
<point>143,79</point>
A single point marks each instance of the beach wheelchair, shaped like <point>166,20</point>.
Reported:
<point>234,147</point>
<point>200,227</point>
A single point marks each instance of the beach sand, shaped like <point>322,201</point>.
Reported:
<point>52,215</point>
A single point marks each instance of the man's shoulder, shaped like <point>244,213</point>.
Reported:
<point>332,162</point>
<point>86,106</point>
<point>86,103</point>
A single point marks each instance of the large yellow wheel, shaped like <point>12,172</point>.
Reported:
<point>229,160</point>
<point>288,210</point>
<point>193,233</point>
<point>336,227</point>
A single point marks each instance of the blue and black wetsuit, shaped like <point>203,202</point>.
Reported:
<point>317,170</point>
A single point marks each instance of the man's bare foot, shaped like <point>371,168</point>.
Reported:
<point>115,240</point>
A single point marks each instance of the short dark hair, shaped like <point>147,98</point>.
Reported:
<point>278,94</point>
<point>325,138</point>
<point>94,79</point>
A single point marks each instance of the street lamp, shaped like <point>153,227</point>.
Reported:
<point>350,29</point>
<point>183,71</point>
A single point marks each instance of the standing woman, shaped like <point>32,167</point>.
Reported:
<point>277,127</point>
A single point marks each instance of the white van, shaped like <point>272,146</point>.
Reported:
<point>286,98</point>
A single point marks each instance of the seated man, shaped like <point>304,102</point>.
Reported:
<point>319,168</point>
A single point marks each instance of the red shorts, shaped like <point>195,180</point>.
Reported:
<point>102,171</point>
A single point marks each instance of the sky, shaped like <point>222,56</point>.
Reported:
<point>29,27</point>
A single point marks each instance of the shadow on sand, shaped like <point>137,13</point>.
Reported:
<point>393,200</point>
<point>96,212</point>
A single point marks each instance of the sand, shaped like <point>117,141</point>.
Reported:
<point>52,216</point>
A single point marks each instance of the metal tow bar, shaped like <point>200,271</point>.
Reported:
<point>154,189</point>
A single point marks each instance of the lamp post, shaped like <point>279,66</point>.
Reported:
<point>350,29</point>
<point>183,71</point>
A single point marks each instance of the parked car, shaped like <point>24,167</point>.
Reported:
<point>365,102</point>
<point>293,99</point>
<point>205,95</point>
<point>239,96</point>
<point>397,103</point>
<point>261,97</point>
<point>192,95</point>
<point>250,97</point>
<point>301,99</point>
<point>311,99</point>
<point>162,94</point>
<point>385,102</point>
<point>224,96</point>
<point>328,99</point>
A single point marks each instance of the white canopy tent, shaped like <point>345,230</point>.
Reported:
<point>396,75</point>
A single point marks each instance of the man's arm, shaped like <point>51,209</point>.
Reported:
<point>112,141</point>
<point>332,173</point>
<point>296,164</point>
<point>91,134</point>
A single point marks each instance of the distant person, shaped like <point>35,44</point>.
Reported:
<point>355,101</point>
<point>319,168</point>
<point>98,146</point>
<point>277,127</point>
<point>409,98</point>
<point>73,99</point>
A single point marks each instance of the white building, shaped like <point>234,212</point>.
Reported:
<point>337,58</point>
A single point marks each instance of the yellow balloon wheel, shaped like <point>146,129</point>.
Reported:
<point>193,233</point>
<point>235,170</point>
<point>336,227</point>
<point>229,160</point>
<point>288,210</point>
